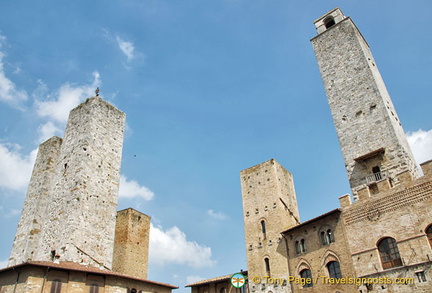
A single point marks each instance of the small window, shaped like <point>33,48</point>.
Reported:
<point>307,276</point>
<point>94,288</point>
<point>327,237</point>
<point>389,253</point>
<point>329,22</point>
<point>421,277</point>
<point>377,173</point>
<point>267,265</point>
<point>56,286</point>
<point>334,270</point>
<point>263,227</point>
<point>300,246</point>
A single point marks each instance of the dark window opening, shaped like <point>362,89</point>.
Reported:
<point>300,246</point>
<point>263,227</point>
<point>421,277</point>
<point>334,270</point>
<point>377,173</point>
<point>429,234</point>
<point>389,253</point>
<point>307,277</point>
<point>267,265</point>
<point>329,22</point>
<point>327,237</point>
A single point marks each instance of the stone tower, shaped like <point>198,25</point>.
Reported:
<point>370,134</point>
<point>131,247</point>
<point>269,207</point>
<point>70,210</point>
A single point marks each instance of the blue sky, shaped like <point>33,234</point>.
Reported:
<point>209,88</point>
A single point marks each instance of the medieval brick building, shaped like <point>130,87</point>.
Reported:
<point>380,239</point>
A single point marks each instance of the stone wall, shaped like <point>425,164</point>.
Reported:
<point>78,197</point>
<point>269,206</point>
<point>403,214</point>
<point>40,279</point>
<point>318,254</point>
<point>131,243</point>
<point>369,130</point>
<point>33,216</point>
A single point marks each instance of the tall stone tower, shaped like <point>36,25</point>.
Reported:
<point>269,207</point>
<point>70,210</point>
<point>131,247</point>
<point>370,134</point>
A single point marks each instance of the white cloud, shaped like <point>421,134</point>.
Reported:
<point>193,278</point>
<point>10,213</point>
<point>8,91</point>
<point>48,130</point>
<point>126,47</point>
<point>131,189</point>
<point>172,247</point>
<point>3,264</point>
<point>420,142</point>
<point>15,168</point>
<point>68,97</point>
<point>216,215</point>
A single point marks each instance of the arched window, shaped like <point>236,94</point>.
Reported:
<point>307,276</point>
<point>300,246</point>
<point>94,288</point>
<point>56,286</point>
<point>389,253</point>
<point>133,290</point>
<point>222,290</point>
<point>329,22</point>
<point>327,237</point>
<point>334,270</point>
<point>267,265</point>
<point>429,234</point>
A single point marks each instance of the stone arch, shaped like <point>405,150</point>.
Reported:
<point>326,234</point>
<point>301,265</point>
<point>300,244</point>
<point>329,256</point>
<point>329,21</point>
<point>428,232</point>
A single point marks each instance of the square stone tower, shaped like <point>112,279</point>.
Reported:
<point>131,247</point>
<point>269,207</point>
<point>370,133</point>
<point>70,209</point>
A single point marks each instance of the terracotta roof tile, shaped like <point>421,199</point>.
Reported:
<point>83,268</point>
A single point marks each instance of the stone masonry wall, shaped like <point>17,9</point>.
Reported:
<point>32,279</point>
<point>29,232</point>
<point>318,255</point>
<point>84,195</point>
<point>268,195</point>
<point>131,246</point>
<point>362,111</point>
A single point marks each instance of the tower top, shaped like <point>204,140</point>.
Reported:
<point>328,20</point>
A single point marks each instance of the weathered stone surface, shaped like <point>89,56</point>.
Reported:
<point>131,246</point>
<point>77,190</point>
<point>268,196</point>
<point>33,216</point>
<point>369,130</point>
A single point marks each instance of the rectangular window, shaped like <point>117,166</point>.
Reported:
<point>421,277</point>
